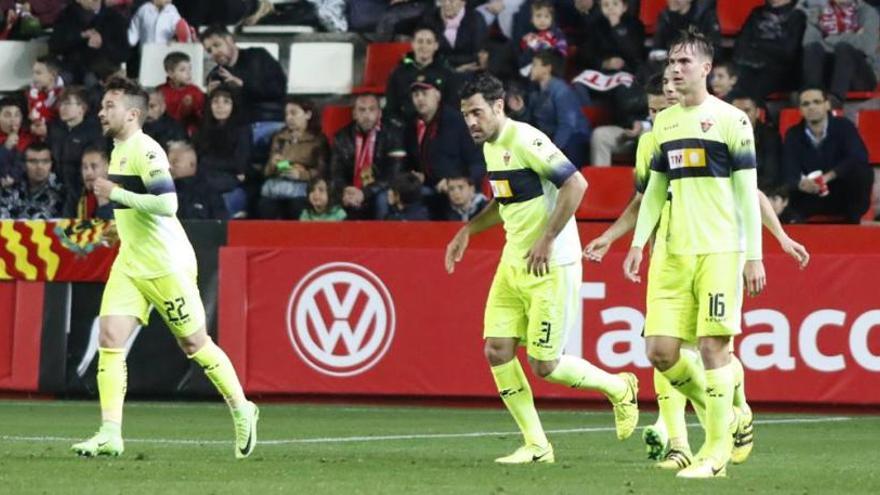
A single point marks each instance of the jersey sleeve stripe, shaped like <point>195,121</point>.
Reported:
<point>162,186</point>
<point>561,172</point>
<point>131,183</point>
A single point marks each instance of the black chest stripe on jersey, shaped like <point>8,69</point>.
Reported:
<point>515,186</point>
<point>717,156</point>
<point>131,183</point>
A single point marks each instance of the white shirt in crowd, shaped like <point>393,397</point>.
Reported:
<point>150,25</point>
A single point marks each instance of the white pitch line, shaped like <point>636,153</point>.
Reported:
<point>386,438</point>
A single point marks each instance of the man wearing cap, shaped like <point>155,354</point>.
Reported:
<point>438,142</point>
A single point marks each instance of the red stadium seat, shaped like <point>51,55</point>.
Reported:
<point>597,115</point>
<point>732,14</point>
<point>869,128</point>
<point>380,62</point>
<point>610,190</point>
<point>649,11</point>
<point>334,118</point>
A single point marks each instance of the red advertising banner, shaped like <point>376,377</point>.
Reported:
<point>21,324</point>
<point>58,250</point>
<point>390,321</point>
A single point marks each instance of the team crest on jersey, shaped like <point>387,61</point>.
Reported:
<point>151,155</point>
<point>706,124</point>
<point>506,158</point>
<point>537,143</point>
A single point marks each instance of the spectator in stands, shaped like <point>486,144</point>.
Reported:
<point>184,101</point>
<point>159,125</point>
<point>608,140</point>
<point>438,144</point>
<point>87,34</point>
<point>463,32</point>
<point>197,199</point>
<point>72,133</point>
<point>405,199</point>
<point>298,154</point>
<point>14,134</point>
<point>544,35</point>
<point>423,63</point>
<point>464,200</point>
<point>842,36</point>
<point>516,104</point>
<point>401,16</point>
<point>556,109</point>
<point>223,146</point>
<point>45,88</point>
<point>615,41</point>
<point>825,163</point>
<point>576,17</point>
<point>156,21</point>
<point>722,80</point>
<point>323,205</point>
<point>24,20</point>
<point>364,157</point>
<point>39,196</point>
<point>255,74</point>
<point>84,204</point>
<point>498,16</point>
<point>768,146</point>
<point>767,47</point>
<point>680,15</point>
<point>105,71</point>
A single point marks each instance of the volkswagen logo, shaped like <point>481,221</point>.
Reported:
<point>340,319</point>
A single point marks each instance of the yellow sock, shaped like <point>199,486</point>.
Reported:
<point>671,404</point>
<point>219,370</point>
<point>719,412</point>
<point>112,383</point>
<point>739,385</point>
<point>580,373</point>
<point>513,386</point>
<point>687,376</point>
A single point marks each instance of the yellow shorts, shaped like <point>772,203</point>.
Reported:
<point>693,296</point>
<point>539,311</point>
<point>175,295</point>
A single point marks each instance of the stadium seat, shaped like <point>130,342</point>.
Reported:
<point>597,115</point>
<point>869,128</point>
<point>381,60</point>
<point>649,11</point>
<point>320,68</point>
<point>732,14</point>
<point>334,118</point>
<point>275,29</point>
<point>18,58</point>
<point>152,55</point>
<point>272,48</point>
<point>610,190</point>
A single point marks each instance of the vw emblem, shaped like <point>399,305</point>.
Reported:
<point>340,319</point>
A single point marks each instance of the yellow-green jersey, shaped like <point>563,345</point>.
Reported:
<point>644,152</point>
<point>525,171</point>
<point>152,241</point>
<point>705,154</point>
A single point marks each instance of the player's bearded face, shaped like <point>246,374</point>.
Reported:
<point>482,118</point>
<point>112,114</point>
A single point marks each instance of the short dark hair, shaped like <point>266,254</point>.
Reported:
<point>50,62</point>
<point>465,178</point>
<point>38,147</point>
<point>551,57</point>
<point>544,4</point>
<point>215,30</point>
<point>408,188</point>
<point>173,59</point>
<point>427,27</point>
<point>654,86</point>
<point>729,66</point>
<point>697,40</point>
<point>97,149</point>
<point>333,196</point>
<point>133,93</point>
<point>12,101</point>
<point>485,84</point>
<point>804,90</point>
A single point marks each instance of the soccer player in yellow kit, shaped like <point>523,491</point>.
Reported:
<point>534,295</point>
<point>156,267</point>
<point>667,439</point>
<point>704,155</point>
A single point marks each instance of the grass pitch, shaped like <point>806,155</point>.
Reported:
<point>187,448</point>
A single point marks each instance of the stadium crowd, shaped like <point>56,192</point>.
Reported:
<point>244,148</point>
